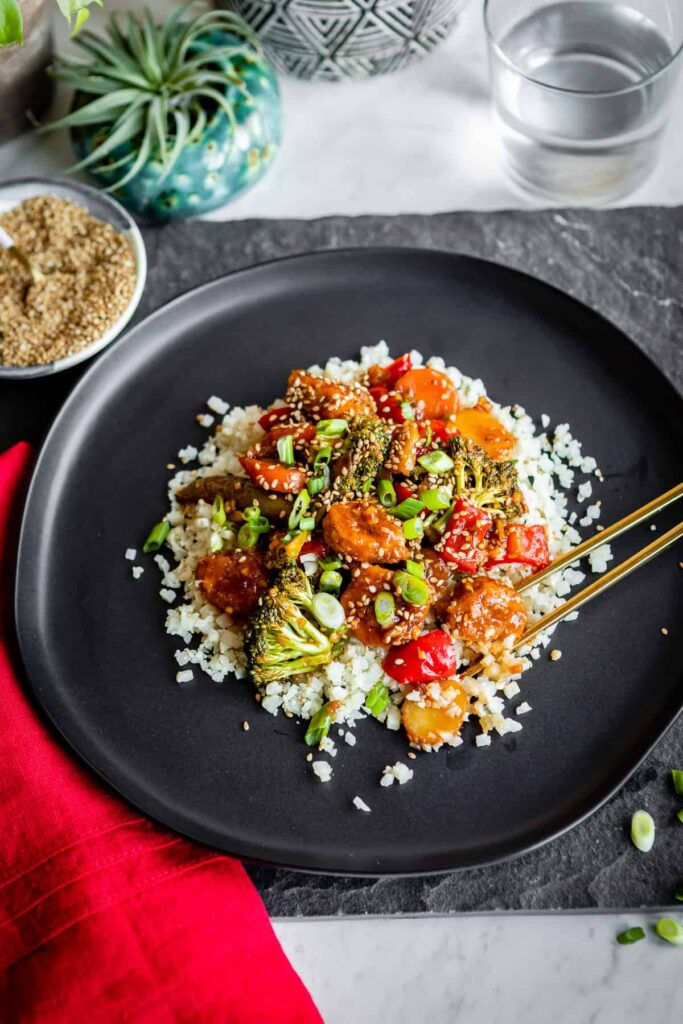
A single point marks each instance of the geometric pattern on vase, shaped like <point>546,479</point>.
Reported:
<point>333,39</point>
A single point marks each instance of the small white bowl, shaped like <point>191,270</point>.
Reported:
<point>102,206</point>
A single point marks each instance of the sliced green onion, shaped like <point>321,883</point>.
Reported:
<point>319,726</point>
<point>330,563</point>
<point>253,519</point>
<point>285,449</point>
<point>679,815</point>
<point>300,505</point>
<point>331,581</point>
<point>413,590</point>
<point>436,462</point>
<point>386,493</point>
<point>385,609</point>
<point>407,411</point>
<point>677,776</point>
<point>377,699</point>
<point>678,895</point>
<point>642,831</point>
<point>216,544</point>
<point>436,498</point>
<point>413,529</point>
<point>320,480</point>
<point>428,435</point>
<point>328,611</point>
<point>630,936</point>
<point>251,512</point>
<point>331,428</point>
<point>323,456</point>
<point>415,569</point>
<point>307,523</point>
<point>441,523</point>
<point>671,930</point>
<point>218,511</point>
<point>157,536</point>
<point>408,508</point>
<point>247,537</point>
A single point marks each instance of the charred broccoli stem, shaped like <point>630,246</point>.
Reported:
<point>491,484</point>
<point>282,638</point>
<point>367,448</point>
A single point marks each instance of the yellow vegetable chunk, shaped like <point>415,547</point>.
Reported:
<point>438,715</point>
<point>478,424</point>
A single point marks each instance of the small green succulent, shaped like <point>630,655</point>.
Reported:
<point>151,90</point>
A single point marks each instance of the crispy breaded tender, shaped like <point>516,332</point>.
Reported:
<point>484,611</point>
<point>322,399</point>
<point>365,532</point>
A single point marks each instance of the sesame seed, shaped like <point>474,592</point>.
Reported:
<point>245,726</point>
<point>664,631</point>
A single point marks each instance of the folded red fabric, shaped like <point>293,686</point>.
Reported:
<point>105,916</point>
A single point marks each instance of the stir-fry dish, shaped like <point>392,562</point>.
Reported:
<point>355,545</point>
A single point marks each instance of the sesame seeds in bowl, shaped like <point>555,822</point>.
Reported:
<point>91,265</point>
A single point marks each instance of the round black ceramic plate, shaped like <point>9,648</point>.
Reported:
<point>93,640</point>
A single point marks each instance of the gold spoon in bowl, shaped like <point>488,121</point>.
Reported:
<point>7,243</point>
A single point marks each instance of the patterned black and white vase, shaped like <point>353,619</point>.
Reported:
<point>335,39</point>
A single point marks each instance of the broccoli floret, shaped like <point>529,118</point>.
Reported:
<point>492,484</point>
<point>367,446</point>
<point>282,639</point>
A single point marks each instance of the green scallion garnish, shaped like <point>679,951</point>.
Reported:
<point>413,529</point>
<point>436,498</point>
<point>631,935</point>
<point>323,455</point>
<point>285,449</point>
<point>677,776</point>
<point>328,611</point>
<point>253,518</point>
<point>332,428</point>
<point>318,727</point>
<point>413,590</point>
<point>216,543</point>
<point>441,523</point>
<point>642,831</point>
<point>436,462</point>
<point>386,493</point>
<point>157,536</point>
<point>218,515</point>
<point>385,609</point>
<point>415,569</point>
<point>247,537</point>
<point>407,411</point>
<point>671,930</point>
<point>330,563</point>
<point>377,699</point>
<point>320,479</point>
<point>408,508</point>
<point>307,523</point>
<point>300,505</point>
<point>330,581</point>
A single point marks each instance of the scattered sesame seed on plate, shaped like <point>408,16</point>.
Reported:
<point>555,655</point>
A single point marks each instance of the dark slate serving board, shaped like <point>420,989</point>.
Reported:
<point>627,264</point>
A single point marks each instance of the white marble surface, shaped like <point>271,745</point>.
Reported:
<point>421,141</point>
<point>486,970</point>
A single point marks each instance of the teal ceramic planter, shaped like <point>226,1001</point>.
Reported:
<point>228,158</point>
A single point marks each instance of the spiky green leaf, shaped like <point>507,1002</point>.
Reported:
<point>11,23</point>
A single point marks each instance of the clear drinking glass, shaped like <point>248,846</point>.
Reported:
<point>582,90</point>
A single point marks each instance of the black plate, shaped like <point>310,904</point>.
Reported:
<point>93,640</point>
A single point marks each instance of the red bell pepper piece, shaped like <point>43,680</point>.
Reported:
<point>525,545</point>
<point>315,546</point>
<point>394,370</point>
<point>273,416</point>
<point>424,660</point>
<point>463,540</point>
<point>388,407</point>
<point>404,491</point>
<point>441,429</point>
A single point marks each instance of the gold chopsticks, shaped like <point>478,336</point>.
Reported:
<point>640,558</point>
<point>615,530</point>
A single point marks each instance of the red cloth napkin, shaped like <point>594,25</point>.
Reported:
<point>105,916</point>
